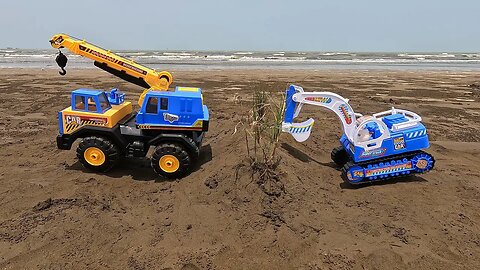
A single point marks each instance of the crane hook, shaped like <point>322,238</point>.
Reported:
<point>61,60</point>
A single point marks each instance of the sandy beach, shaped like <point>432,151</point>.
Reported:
<point>56,215</point>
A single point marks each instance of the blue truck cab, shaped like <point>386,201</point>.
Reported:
<point>182,108</point>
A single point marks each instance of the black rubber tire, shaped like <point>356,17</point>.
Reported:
<point>184,157</point>
<point>109,149</point>
<point>340,156</point>
<point>196,150</point>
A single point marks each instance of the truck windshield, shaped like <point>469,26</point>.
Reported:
<point>104,102</point>
<point>79,103</point>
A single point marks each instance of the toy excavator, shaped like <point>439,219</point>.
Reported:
<point>385,145</point>
<point>172,122</point>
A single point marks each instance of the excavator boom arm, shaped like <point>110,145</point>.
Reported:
<point>296,98</point>
<point>121,67</point>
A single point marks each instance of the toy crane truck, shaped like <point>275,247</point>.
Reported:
<point>373,148</point>
<point>173,122</point>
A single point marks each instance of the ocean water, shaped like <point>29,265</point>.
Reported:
<point>197,60</point>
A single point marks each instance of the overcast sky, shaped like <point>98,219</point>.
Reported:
<point>310,25</point>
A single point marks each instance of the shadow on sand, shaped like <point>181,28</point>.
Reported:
<point>405,179</point>
<point>300,155</point>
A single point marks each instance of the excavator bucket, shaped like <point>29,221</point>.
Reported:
<point>299,131</point>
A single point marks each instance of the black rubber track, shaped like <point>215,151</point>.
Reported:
<point>340,156</point>
<point>390,158</point>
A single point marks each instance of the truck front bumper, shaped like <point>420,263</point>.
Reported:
<point>64,142</point>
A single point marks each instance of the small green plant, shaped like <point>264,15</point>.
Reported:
<point>263,126</point>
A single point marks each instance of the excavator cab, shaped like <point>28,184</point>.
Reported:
<point>371,130</point>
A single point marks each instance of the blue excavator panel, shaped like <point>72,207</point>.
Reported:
<point>403,141</point>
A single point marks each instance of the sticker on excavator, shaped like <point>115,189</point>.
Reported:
<point>325,100</point>
<point>399,143</point>
<point>301,131</point>
<point>373,153</point>
<point>389,169</point>
<point>346,114</point>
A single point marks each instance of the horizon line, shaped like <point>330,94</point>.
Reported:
<point>259,51</point>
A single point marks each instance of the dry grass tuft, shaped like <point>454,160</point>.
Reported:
<point>262,127</point>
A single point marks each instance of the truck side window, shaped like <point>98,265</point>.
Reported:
<point>152,105</point>
<point>164,104</point>
<point>92,106</point>
<point>79,103</point>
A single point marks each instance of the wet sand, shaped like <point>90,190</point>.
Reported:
<point>56,215</point>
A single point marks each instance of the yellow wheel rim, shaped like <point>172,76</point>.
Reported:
<point>422,164</point>
<point>169,163</point>
<point>94,156</point>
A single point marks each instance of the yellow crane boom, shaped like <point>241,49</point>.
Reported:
<point>121,67</point>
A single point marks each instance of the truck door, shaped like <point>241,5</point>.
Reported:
<point>151,111</point>
<point>155,110</point>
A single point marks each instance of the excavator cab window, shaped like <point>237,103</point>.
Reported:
<point>152,105</point>
<point>80,103</point>
<point>374,130</point>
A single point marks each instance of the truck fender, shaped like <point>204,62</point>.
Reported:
<point>179,138</point>
<point>65,141</point>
